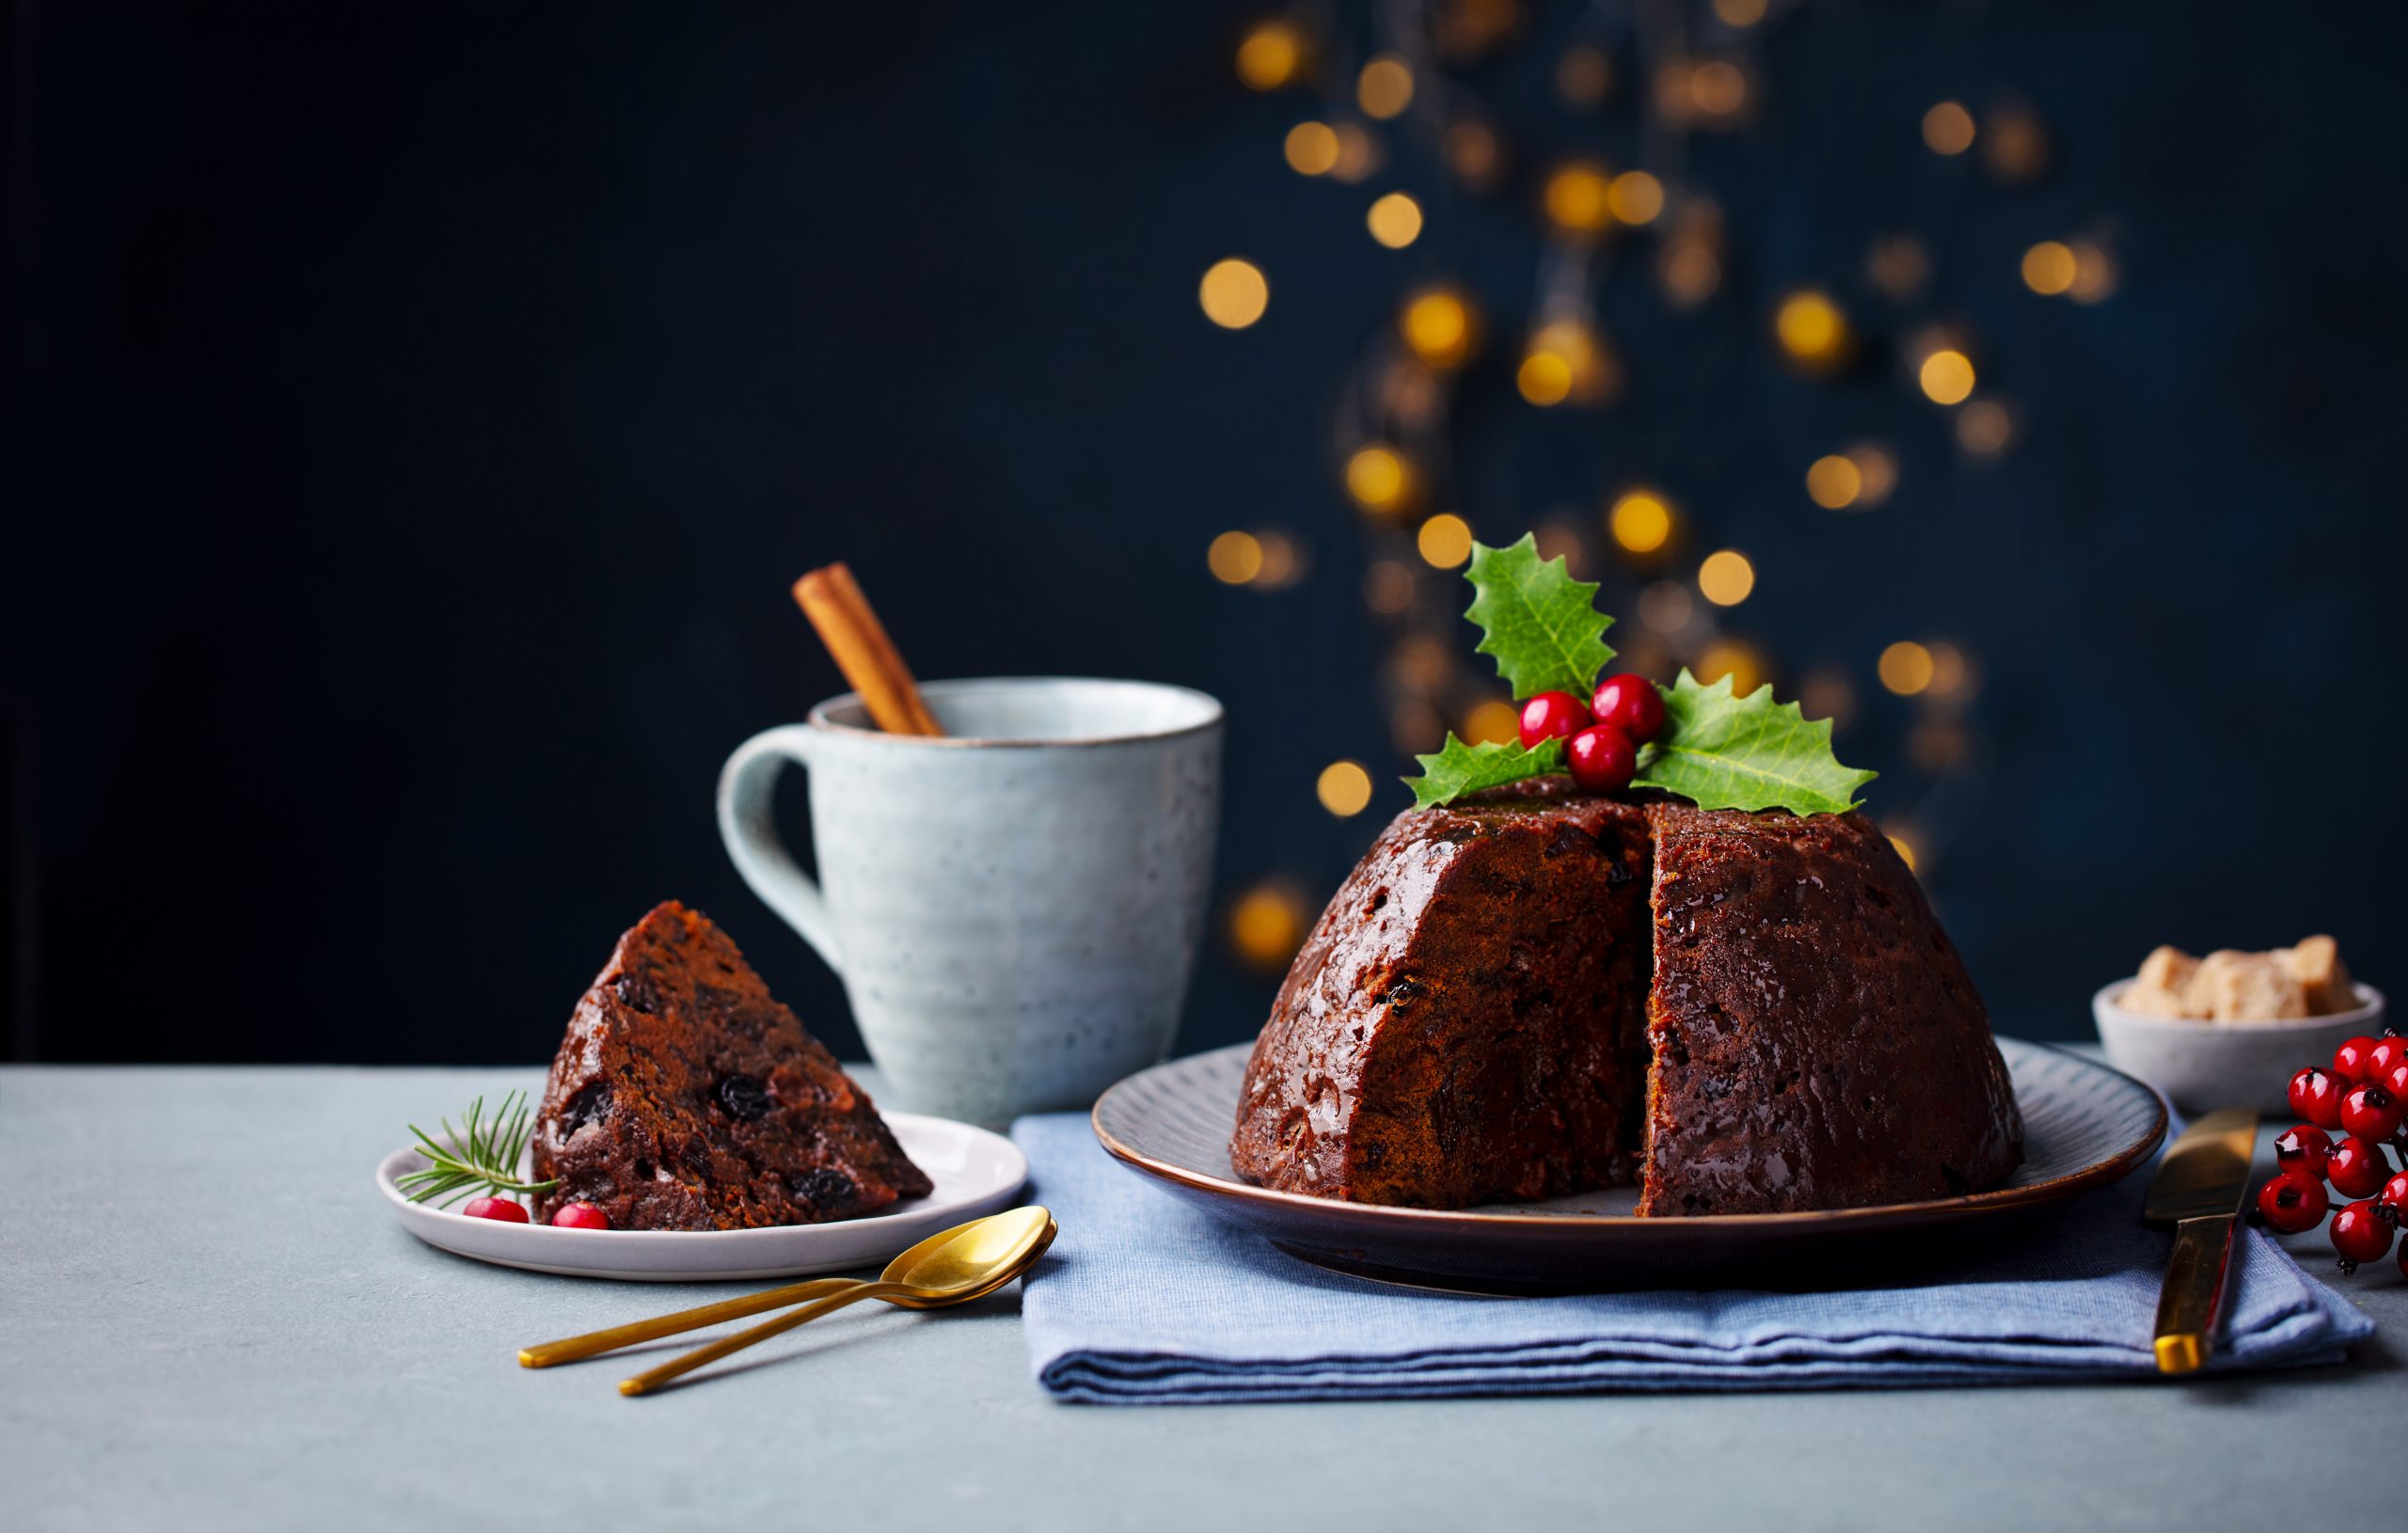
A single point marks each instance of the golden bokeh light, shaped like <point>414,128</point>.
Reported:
<point>1283,562</point>
<point>1492,722</point>
<point>1584,77</point>
<point>2048,268</point>
<point>2014,144</point>
<point>1235,558</point>
<point>1876,470</point>
<point>1635,198</point>
<point>1739,12</point>
<point>1984,427</point>
<point>1271,55</point>
<point>1905,668</point>
<point>1952,672</point>
<point>1566,360</point>
<point>1440,327</point>
<point>1312,149</point>
<point>1730,658</point>
<point>1444,541</point>
<point>2093,274</point>
<point>1946,376</point>
<point>1641,522</point>
<point>1266,925</point>
<point>1834,481</point>
<point>1812,332</point>
<point>1379,480</point>
<point>1395,220</point>
<point>1689,270</point>
<point>1561,539</point>
<point>1358,153</point>
<point>1388,587</point>
<point>1579,198</point>
<point>1905,846</point>
<point>1717,89</point>
<point>1474,152</point>
<point>1345,788</point>
<point>1948,128</point>
<point>1726,577</point>
<point>1384,88</point>
<point>1234,293</point>
<point>1543,378</point>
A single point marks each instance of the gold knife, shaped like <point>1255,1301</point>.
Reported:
<point>2198,1190</point>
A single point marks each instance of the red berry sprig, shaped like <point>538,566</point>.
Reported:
<point>2363,1100</point>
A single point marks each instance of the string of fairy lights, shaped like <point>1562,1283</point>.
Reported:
<point>1680,69</point>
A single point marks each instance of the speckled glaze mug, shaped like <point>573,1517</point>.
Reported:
<point>1014,908</point>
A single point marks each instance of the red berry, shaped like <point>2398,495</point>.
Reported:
<point>496,1208</point>
<point>2292,1202</point>
<point>2350,1059</point>
<point>2393,1200</point>
<point>2389,1052</point>
<point>2359,1235</point>
<point>2395,1080</point>
<point>2370,1112</point>
<point>1602,759</point>
<point>2303,1147</point>
<point>1551,716</point>
<point>2357,1168</point>
<point>1631,703</point>
<point>2316,1097</point>
<point>580,1216</point>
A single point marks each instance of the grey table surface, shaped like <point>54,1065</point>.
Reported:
<point>212,1322</point>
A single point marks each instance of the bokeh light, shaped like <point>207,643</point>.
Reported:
<point>1440,327</point>
<point>1948,128</point>
<point>1951,672</point>
<point>1726,577</point>
<point>2014,144</point>
<point>1358,153</point>
<point>1266,925</point>
<point>1877,469</point>
<point>1739,12</point>
<point>1903,843</point>
<point>1380,479</point>
<point>1566,360</point>
<point>1395,220</point>
<point>1492,722</point>
<point>1283,562</point>
<point>1666,606</point>
<point>2093,273</point>
<point>1271,55</point>
<point>1826,693</point>
<point>1345,788</point>
<point>2049,268</point>
<point>1812,332</point>
<point>1905,668</point>
<point>1635,198</point>
<point>1474,152</point>
<point>1584,77</point>
<point>1641,522</point>
<point>1734,658</point>
<point>1948,377</point>
<point>1579,198</point>
<point>1312,149</point>
<point>1235,558</point>
<point>1984,427</point>
<point>1899,266</point>
<point>1834,481</point>
<point>1388,587</point>
<point>1444,541</point>
<point>1234,293</point>
<point>1384,88</point>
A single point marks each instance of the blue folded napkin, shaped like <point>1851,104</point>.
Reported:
<point>1146,1301</point>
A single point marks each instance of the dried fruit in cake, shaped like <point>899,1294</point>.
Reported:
<point>685,1096</point>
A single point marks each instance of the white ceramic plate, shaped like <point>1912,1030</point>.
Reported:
<point>976,1172</point>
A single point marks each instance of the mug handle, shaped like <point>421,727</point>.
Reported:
<point>746,785</point>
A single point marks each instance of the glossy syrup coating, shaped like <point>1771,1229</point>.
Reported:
<point>1462,1024</point>
<point>1817,1042</point>
<point>685,1096</point>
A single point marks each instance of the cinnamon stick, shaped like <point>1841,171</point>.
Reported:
<point>833,602</point>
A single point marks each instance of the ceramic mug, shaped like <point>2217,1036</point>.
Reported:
<point>1014,906</point>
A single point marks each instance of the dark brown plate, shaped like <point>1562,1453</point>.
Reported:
<point>2085,1126</point>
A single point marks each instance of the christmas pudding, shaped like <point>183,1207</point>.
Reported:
<point>1686,962</point>
<point>685,1096</point>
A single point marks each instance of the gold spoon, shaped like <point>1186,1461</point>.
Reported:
<point>961,1264</point>
<point>594,1343</point>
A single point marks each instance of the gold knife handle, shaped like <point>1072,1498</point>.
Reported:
<point>2187,1305</point>
<point>595,1343</point>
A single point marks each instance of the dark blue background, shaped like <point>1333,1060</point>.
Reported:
<point>415,415</point>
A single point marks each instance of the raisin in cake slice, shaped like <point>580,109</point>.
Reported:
<point>685,1096</point>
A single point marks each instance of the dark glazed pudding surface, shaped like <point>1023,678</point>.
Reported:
<point>685,1096</point>
<point>1537,993</point>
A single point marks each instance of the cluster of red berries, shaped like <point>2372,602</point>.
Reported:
<point>1601,740</point>
<point>508,1210</point>
<point>2364,1098</point>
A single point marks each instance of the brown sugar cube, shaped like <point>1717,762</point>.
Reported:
<point>2232,987</point>
<point>2159,991</point>
<point>2316,963</point>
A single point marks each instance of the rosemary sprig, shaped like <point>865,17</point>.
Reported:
<point>482,1154</point>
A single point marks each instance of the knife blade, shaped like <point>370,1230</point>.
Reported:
<point>2197,1189</point>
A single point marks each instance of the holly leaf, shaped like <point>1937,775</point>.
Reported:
<point>1722,751</point>
<point>1459,768</point>
<point>1542,625</point>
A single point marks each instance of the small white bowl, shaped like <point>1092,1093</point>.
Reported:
<point>2204,1065</point>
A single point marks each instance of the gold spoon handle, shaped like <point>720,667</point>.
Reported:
<point>594,1343</point>
<point>645,1382</point>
